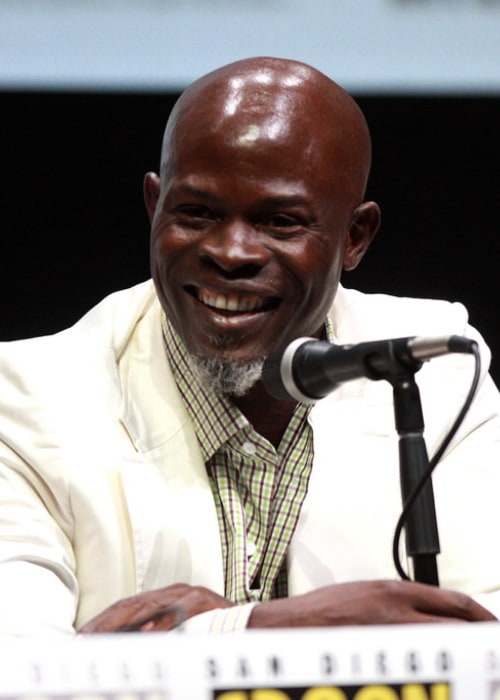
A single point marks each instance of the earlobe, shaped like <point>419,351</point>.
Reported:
<point>151,189</point>
<point>364,225</point>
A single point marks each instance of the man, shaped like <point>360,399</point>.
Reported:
<point>148,479</point>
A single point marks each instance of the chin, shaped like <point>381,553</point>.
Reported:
<point>226,377</point>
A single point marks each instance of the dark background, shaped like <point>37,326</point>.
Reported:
<point>73,226</point>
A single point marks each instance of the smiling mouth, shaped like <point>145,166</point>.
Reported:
<point>234,303</point>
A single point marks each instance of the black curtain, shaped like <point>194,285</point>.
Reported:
<point>73,226</point>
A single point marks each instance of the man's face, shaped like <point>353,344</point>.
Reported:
<point>248,239</point>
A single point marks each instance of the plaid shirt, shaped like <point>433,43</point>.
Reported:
<point>258,490</point>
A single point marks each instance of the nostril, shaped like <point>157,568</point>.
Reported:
<point>244,271</point>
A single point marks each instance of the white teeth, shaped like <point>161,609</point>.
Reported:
<point>230,302</point>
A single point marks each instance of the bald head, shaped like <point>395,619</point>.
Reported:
<point>289,104</point>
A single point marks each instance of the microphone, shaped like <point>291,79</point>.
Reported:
<point>309,369</point>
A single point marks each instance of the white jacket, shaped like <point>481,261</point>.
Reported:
<point>103,490</point>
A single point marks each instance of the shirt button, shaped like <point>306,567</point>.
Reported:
<point>249,448</point>
<point>251,549</point>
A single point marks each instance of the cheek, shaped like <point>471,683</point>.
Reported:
<point>157,258</point>
<point>165,248</point>
<point>167,245</point>
<point>317,271</point>
<point>318,266</point>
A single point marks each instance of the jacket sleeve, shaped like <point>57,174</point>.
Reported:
<point>38,585</point>
<point>467,479</point>
<point>220,620</point>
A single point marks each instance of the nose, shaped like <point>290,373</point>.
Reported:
<point>235,248</point>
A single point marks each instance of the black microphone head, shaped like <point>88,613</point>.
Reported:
<point>277,373</point>
<point>271,378</point>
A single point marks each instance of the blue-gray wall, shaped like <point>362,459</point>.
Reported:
<point>367,45</point>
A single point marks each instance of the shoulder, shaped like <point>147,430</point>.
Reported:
<point>359,316</point>
<point>445,381</point>
<point>108,324</point>
<point>50,369</point>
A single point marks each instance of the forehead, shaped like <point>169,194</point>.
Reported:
<point>264,95</point>
<point>263,105</point>
<point>254,131</point>
<point>272,118</point>
<point>249,163</point>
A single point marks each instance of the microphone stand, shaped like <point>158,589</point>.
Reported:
<point>421,532</point>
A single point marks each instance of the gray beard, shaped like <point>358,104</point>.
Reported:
<point>226,378</point>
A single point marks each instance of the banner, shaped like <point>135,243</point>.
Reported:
<point>400,662</point>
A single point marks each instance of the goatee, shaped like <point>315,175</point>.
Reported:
<point>225,377</point>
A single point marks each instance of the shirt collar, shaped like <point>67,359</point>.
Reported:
<point>215,419</point>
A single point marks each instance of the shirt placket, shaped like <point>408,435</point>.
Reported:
<point>260,488</point>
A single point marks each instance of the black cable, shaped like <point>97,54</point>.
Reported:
<point>434,461</point>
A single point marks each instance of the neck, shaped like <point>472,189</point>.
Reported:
<point>268,416</point>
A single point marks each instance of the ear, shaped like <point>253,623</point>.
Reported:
<point>365,222</point>
<point>151,193</point>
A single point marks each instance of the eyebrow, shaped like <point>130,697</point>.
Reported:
<point>286,200</point>
<point>187,189</point>
<point>273,201</point>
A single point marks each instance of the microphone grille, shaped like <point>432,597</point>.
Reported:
<point>277,373</point>
<point>271,377</point>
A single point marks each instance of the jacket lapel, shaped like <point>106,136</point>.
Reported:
<point>172,513</point>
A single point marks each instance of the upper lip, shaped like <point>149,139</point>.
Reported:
<point>233,300</point>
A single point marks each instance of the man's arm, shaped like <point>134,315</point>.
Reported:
<point>162,609</point>
<point>358,603</point>
<point>38,584</point>
<point>369,603</point>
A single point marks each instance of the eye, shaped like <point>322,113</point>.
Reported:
<point>284,223</point>
<point>194,215</point>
